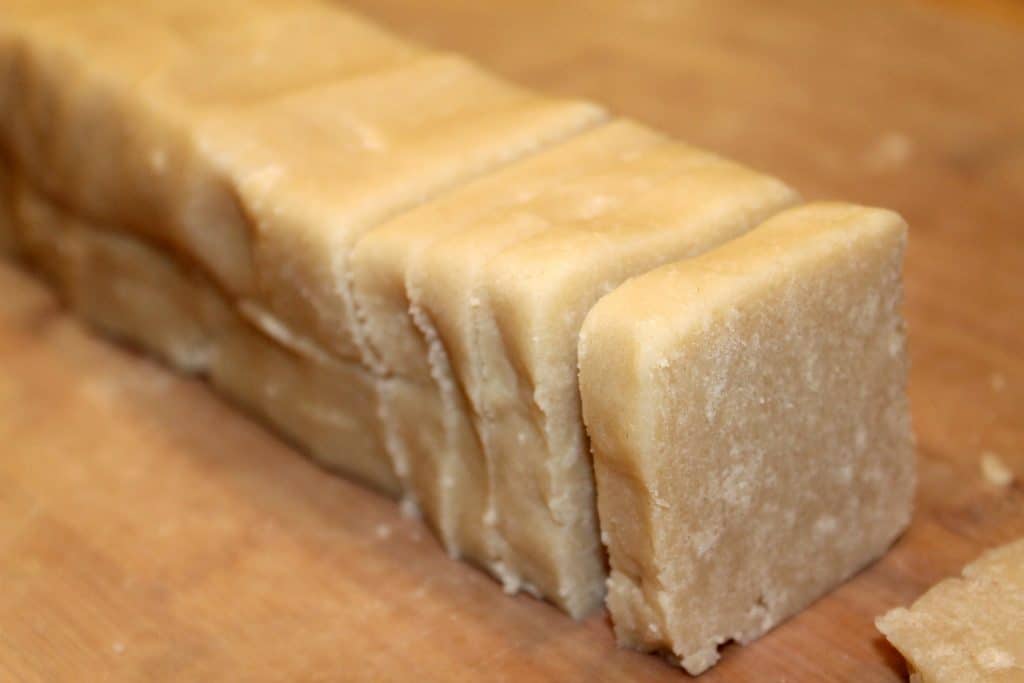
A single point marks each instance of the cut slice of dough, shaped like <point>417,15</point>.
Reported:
<point>969,629</point>
<point>750,429</point>
<point>534,271</point>
<point>137,293</point>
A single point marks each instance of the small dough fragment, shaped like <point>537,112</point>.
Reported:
<point>750,429</point>
<point>968,629</point>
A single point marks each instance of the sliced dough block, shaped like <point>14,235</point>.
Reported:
<point>323,167</point>
<point>506,299</point>
<point>432,439</point>
<point>139,294</point>
<point>750,430</point>
<point>149,118</point>
<point>969,629</point>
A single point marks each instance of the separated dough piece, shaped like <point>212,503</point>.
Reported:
<point>149,118</point>
<point>137,293</point>
<point>969,629</point>
<point>507,298</point>
<point>749,423</point>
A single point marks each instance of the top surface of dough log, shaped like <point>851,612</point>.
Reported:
<point>265,183</point>
<point>750,427</point>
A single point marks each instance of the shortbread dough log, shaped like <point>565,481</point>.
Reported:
<point>750,430</point>
<point>139,294</point>
<point>149,118</point>
<point>506,299</point>
<point>969,629</point>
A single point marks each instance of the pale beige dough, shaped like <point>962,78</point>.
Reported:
<point>311,398</point>
<point>153,117</point>
<point>968,629</point>
<point>119,284</point>
<point>256,140</point>
<point>137,293</point>
<point>750,429</point>
<point>505,299</point>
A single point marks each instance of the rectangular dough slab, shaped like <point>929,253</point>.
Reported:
<point>969,629</point>
<point>506,299</point>
<point>151,118</point>
<point>139,294</point>
<point>750,429</point>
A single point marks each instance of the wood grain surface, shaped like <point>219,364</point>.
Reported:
<point>150,532</point>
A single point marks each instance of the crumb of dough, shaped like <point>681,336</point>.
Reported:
<point>888,152</point>
<point>995,471</point>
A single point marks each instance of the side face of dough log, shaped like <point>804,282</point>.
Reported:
<point>136,293</point>
<point>750,429</point>
<point>126,113</point>
<point>969,629</point>
<point>314,400</point>
<point>645,201</point>
<point>537,295</point>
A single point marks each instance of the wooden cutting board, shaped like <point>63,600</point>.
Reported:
<point>150,532</point>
